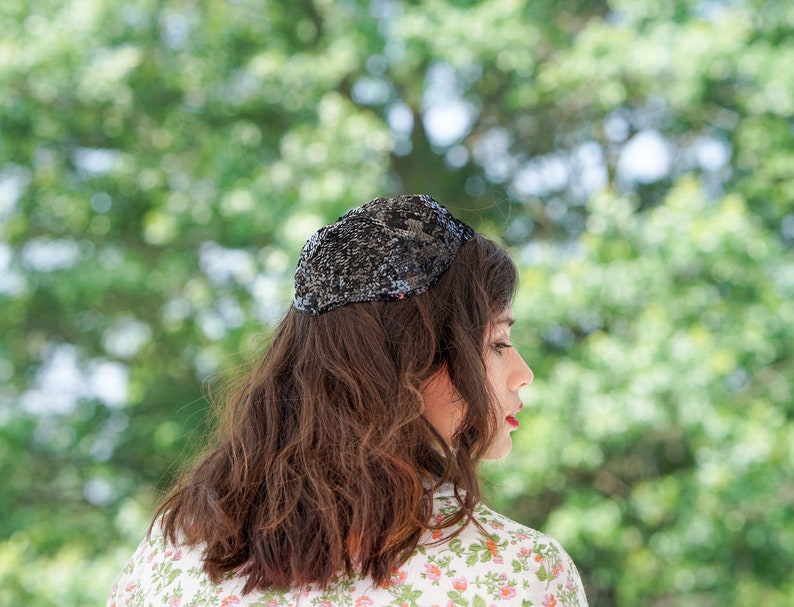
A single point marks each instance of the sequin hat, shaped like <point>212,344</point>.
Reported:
<point>388,248</point>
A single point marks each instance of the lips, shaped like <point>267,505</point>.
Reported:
<point>511,419</point>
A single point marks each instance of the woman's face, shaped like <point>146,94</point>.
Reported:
<point>506,373</point>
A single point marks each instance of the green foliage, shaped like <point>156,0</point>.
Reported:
<point>659,423</point>
<point>161,163</point>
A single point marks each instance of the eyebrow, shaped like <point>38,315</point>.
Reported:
<point>509,321</point>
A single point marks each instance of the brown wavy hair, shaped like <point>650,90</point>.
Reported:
<point>323,462</point>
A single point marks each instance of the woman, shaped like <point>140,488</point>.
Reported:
<point>344,472</point>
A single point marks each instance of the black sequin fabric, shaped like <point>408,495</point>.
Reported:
<point>388,248</point>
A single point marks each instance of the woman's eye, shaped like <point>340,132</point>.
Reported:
<point>501,345</point>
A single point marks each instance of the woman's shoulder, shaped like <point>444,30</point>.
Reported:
<point>163,573</point>
<point>495,524</point>
<point>507,560</point>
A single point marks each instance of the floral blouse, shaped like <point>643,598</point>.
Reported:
<point>511,566</point>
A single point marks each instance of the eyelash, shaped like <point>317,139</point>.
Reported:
<point>500,345</point>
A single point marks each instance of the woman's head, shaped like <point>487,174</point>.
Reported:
<point>380,357</point>
<point>329,447</point>
<point>399,287</point>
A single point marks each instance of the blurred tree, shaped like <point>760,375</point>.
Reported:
<point>161,163</point>
<point>660,436</point>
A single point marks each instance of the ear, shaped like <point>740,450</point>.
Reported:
<point>442,406</point>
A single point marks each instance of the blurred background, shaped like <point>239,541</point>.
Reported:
<point>163,161</point>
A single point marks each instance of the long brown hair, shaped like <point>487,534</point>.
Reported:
<point>324,463</point>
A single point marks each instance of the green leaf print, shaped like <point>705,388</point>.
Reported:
<point>457,598</point>
<point>404,595</point>
<point>478,601</point>
<point>164,575</point>
<point>543,575</point>
<point>455,546</point>
<point>267,599</point>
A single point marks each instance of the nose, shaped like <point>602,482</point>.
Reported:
<point>522,374</point>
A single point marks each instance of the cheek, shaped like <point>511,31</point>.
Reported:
<point>490,370</point>
<point>495,375</point>
<point>441,407</point>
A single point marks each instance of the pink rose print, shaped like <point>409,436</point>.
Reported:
<point>436,520</point>
<point>363,601</point>
<point>397,577</point>
<point>549,601</point>
<point>174,602</point>
<point>229,600</point>
<point>507,592</point>
<point>460,584</point>
<point>557,569</point>
<point>491,545</point>
<point>432,571</point>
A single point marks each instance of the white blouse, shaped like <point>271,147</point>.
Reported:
<point>511,566</point>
